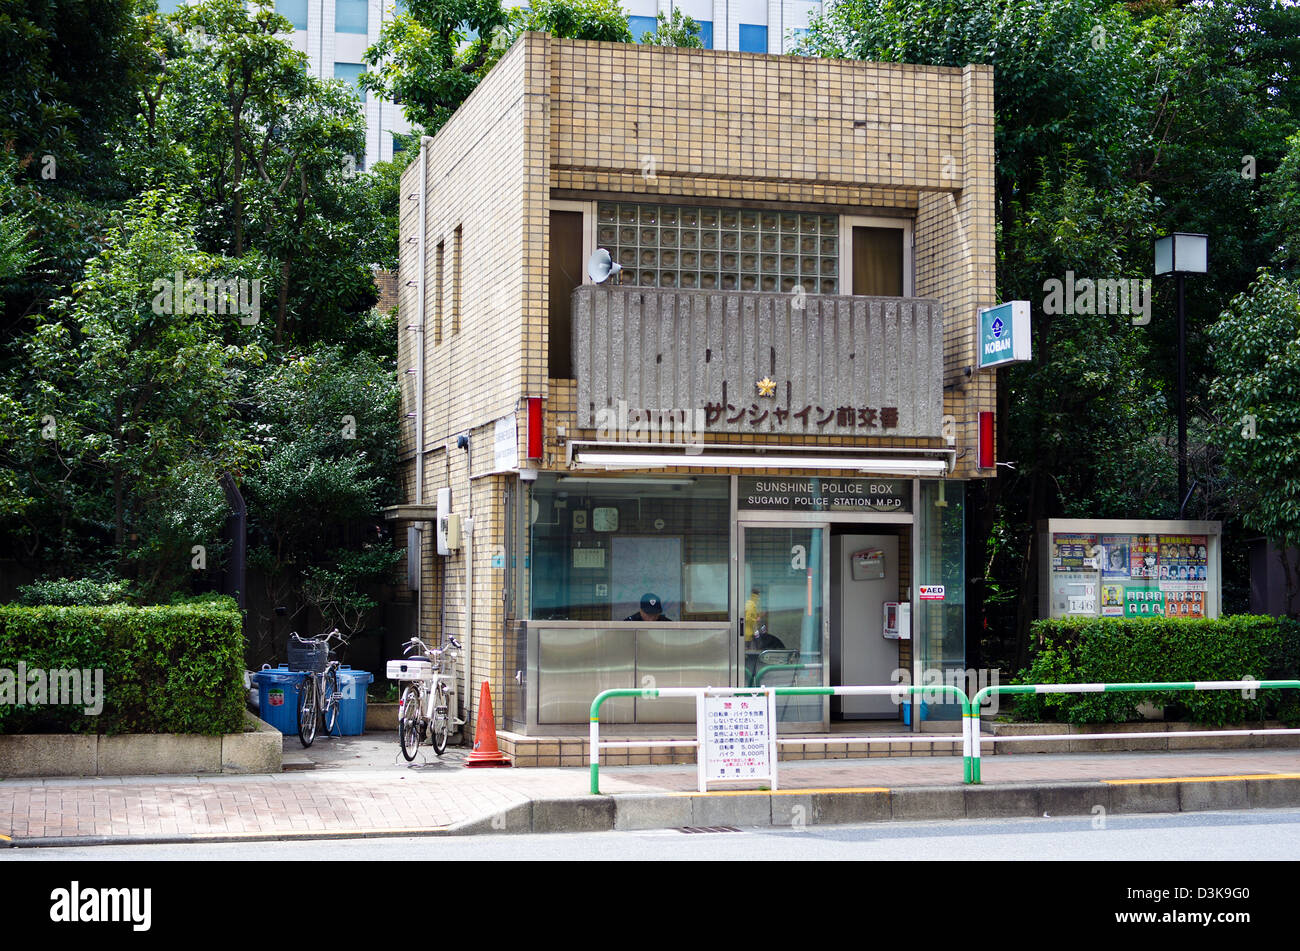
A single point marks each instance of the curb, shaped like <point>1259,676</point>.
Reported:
<point>798,808</point>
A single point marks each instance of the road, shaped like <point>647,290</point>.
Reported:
<point>1202,836</point>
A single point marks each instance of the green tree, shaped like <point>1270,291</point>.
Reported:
<point>429,58</point>
<point>675,30</point>
<point>1256,345</point>
<point>127,414</point>
<point>328,426</point>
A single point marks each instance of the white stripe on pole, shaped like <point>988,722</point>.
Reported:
<point>1172,735</point>
<point>1069,688</point>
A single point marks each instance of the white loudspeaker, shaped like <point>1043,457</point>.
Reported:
<point>601,266</point>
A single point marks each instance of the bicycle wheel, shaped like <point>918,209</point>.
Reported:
<point>330,700</point>
<point>440,729</point>
<point>408,722</point>
<point>308,710</point>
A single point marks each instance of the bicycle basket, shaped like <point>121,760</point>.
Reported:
<point>311,656</point>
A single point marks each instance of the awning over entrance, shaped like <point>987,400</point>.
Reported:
<point>634,455</point>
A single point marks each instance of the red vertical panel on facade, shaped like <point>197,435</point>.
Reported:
<point>987,459</point>
<point>534,427</point>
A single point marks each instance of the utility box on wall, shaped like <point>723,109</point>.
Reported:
<point>1130,568</point>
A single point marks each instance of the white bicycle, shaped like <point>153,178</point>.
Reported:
<point>428,706</point>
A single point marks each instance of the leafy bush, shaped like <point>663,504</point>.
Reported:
<point>67,592</point>
<point>1147,650</point>
<point>166,669</point>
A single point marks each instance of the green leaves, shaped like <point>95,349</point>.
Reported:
<point>172,669</point>
<point>1256,395</point>
<point>1161,650</point>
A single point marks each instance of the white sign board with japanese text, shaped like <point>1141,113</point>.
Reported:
<point>737,736</point>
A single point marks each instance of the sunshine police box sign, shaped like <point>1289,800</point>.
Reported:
<point>1004,334</point>
<point>814,494</point>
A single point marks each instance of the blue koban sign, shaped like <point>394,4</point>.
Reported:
<point>1004,334</point>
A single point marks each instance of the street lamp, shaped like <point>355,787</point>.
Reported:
<point>1181,254</point>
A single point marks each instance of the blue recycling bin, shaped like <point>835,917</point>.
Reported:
<point>352,708</point>
<point>907,711</point>
<point>277,697</point>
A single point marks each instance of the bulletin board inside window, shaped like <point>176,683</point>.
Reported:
<point>1129,569</point>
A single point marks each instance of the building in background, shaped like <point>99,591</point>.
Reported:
<point>336,33</point>
<point>776,401</point>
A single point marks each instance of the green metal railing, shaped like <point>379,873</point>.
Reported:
<point>973,774</point>
<point>930,690</point>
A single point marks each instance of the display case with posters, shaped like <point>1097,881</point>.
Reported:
<point>1129,568</point>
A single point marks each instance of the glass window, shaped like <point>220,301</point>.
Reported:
<point>350,73</point>
<point>640,26</point>
<point>723,248</point>
<point>170,6</point>
<point>878,261</point>
<point>753,39</point>
<point>295,11</point>
<point>939,627</point>
<point>706,33</point>
<point>601,545</point>
<point>350,16</point>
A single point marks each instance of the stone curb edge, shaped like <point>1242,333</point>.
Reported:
<point>797,809</point>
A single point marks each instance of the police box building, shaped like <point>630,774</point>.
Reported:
<point>691,343</point>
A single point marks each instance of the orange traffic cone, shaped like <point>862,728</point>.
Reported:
<point>486,752</point>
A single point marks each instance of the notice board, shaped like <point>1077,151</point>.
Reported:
<point>736,738</point>
<point>1129,568</point>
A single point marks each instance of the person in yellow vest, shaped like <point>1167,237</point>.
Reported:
<point>753,615</point>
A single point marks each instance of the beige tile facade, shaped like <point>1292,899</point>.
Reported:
<point>569,120</point>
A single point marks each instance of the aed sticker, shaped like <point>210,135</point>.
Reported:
<point>931,592</point>
<point>275,697</point>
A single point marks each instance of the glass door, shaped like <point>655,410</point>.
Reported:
<point>783,580</point>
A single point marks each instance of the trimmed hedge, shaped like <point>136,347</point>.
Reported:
<point>167,668</point>
<point>1121,650</point>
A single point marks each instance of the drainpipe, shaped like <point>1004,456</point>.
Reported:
<point>463,442</point>
<point>419,371</point>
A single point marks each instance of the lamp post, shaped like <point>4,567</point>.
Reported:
<point>1181,254</point>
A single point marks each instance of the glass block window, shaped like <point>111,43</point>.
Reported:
<point>721,248</point>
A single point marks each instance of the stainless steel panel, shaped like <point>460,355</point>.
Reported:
<point>665,350</point>
<point>679,658</point>
<point>575,664</point>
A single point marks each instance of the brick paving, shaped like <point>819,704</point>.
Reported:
<point>440,793</point>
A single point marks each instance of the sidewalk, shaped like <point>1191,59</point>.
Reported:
<point>359,787</point>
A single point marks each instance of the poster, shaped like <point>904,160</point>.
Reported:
<point>1143,551</point>
<point>1115,556</point>
<point>1183,558</point>
<point>1072,552</point>
<point>1143,602</point>
<point>1185,604</point>
<point>1112,600</point>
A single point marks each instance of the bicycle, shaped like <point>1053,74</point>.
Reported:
<point>427,707</point>
<point>319,693</point>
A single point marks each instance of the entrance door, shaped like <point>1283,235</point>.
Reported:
<point>783,585</point>
<point>864,575</point>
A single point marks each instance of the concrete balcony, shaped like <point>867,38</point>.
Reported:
<point>748,362</point>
